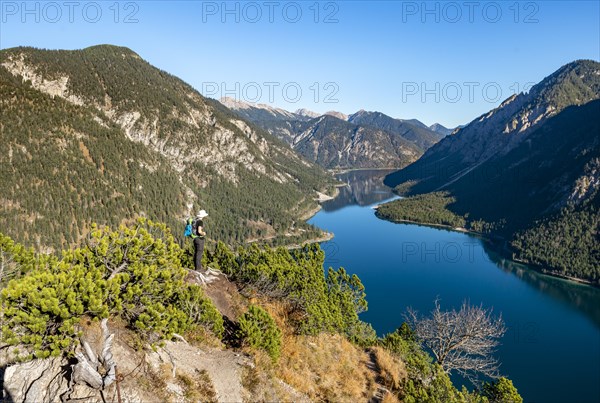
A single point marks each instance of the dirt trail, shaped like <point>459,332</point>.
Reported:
<point>223,367</point>
<point>381,390</point>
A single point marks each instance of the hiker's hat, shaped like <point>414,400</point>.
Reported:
<point>202,214</point>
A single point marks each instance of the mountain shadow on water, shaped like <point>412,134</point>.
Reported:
<point>577,296</point>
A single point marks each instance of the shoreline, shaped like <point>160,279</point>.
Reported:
<point>346,170</point>
<point>502,251</point>
<point>542,270</point>
<point>444,226</point>
<point>311,213</point>
<point>327,237</point>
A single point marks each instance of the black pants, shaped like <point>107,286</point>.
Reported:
<point>198,251</point>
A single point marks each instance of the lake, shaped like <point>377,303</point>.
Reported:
<point>551,350</point>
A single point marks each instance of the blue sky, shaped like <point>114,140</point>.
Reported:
<point>444,62</point>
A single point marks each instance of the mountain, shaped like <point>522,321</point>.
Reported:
<point>528,171</point>
<point>276,121</point>
<point>556,166</point>
<point>438,128</point>
<point>415,122</point>
<point>338,115</point>
<point>100,135</point>
<point>498,131</point>
<point>307,113</point>
<point>337,141</point>
<point>334,143</point>
<point>412,130</point>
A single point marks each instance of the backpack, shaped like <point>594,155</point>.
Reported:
<point>189,228</point>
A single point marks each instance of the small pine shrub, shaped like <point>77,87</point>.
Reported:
<point>16,260</point>
<point>41,309</point>
<point>200,310</point>
<point>134,272</point>
<point>259,330</point>
<point>321,301</point>
<point>501,391</point>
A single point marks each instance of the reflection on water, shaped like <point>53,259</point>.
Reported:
<point>363,188</point>
<point>582,297</point>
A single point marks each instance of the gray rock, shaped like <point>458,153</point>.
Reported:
<point>37,381</point>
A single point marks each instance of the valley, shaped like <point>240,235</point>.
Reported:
<point>310,215</point>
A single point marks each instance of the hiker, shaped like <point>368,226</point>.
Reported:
<point>195,230</point>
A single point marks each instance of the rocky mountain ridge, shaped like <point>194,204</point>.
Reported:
<point>503,128</point>
<point>349,141</point>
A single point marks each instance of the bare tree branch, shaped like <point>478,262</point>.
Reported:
<point>463,341</point>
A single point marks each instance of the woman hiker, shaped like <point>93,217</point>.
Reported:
<point>198,236</point>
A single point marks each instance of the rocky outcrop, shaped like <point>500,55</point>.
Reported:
<point>588,183</point>
<point>56,86</point>
<point>42,381</point>
<point>151,375</point>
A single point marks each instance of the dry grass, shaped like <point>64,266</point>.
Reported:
<point>319,368</point>
<point>199,336</point>
<point>154,382</point>
<point>389,398</point>
<point>326,368</point>
<point>261,383</point>
<point>198,388</point>
<point>392,370</point>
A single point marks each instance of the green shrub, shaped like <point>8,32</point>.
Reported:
<point>325,302</point>
<point>362,334</point>
<point>134,272</point>
<point>501,391</point>
<point>259,330</point>
<point>16,260</point>
<point>42,308</point>
<point>200,310</point>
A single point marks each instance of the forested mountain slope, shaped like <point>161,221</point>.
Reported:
<point>412,130</point>
<point>101,135</point>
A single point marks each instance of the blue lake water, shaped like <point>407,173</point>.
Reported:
<point>551,350</point>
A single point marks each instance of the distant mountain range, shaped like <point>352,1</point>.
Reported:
<point>100,135</point>
<point>336,141</point>
<point>530,168</point>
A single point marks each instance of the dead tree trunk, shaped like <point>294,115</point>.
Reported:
<point>98,371</point>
